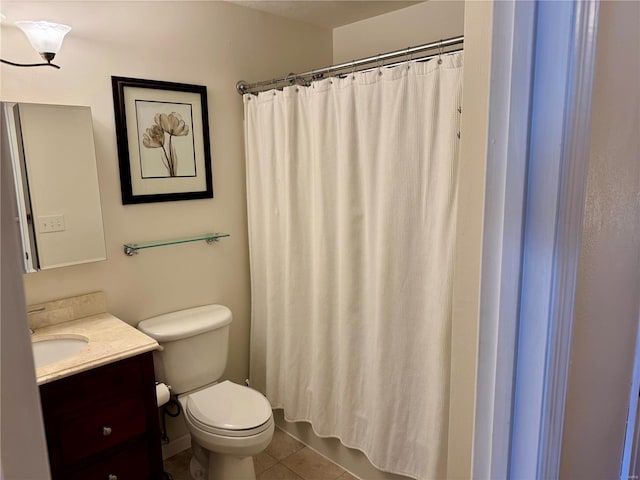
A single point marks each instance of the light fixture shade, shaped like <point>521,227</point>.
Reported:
<point>45,37</point>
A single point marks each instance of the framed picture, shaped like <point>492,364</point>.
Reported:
<point>162,129</point>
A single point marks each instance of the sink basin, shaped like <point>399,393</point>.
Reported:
<point>53,349</point>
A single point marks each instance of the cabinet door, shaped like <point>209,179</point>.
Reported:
<point>91,431</point>
<point>133,463</point>
<point>92,419</point>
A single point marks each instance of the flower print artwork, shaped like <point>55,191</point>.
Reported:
<point>172,125</point>
<point>164,151</point>
<point>166,146</point>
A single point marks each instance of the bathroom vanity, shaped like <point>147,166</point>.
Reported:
<point>99,404</point>
<point>103,423</point>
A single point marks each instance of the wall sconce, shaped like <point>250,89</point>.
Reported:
<point>45,37</point>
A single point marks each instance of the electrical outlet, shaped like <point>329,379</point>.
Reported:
<point>51,223</point>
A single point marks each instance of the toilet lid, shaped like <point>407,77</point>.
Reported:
<point>229,406</point>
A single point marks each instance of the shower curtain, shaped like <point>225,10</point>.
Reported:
<point>352,187</point>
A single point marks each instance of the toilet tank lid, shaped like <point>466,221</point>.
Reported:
<point>186,323</point>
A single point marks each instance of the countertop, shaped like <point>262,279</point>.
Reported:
<point>110,339</point>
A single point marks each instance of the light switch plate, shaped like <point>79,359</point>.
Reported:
<point>51,223</point>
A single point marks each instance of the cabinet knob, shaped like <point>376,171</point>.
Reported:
<point>112,477</point>
<point>106,431</point>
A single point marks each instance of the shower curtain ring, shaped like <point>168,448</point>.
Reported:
<point>353,68</point>
<point>378,65</point>
<point>440,52</point>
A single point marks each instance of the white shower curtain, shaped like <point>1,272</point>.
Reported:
<point>351,188</point>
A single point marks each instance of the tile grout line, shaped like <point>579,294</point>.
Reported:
<point>300,446</point>
<point>279,461</point>
<point>315,451</point>
<point>287,468</point>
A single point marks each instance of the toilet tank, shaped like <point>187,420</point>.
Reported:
<point>194,345</point>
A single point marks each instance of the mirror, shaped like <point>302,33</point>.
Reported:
<point>52,152</point>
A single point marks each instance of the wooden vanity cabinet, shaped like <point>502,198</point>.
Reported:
<point>102,424</point>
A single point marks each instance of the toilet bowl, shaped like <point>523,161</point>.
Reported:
<point>228,423</point>
<point>229,418</point>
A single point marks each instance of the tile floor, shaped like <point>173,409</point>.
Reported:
<point>284,459</point>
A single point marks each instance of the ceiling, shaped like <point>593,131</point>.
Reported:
<point>325,13</point>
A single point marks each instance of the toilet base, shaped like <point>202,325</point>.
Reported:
<point>207,465</point>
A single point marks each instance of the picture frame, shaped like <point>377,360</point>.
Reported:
<point>162,132</point>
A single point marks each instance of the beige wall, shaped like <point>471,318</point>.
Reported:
<point>466,286</point>
<point>606,314</point>
<point>422,23</point>
<point>207,43</point>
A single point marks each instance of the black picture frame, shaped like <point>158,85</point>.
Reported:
<point>150,170</point>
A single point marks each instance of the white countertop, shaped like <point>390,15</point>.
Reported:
<point>109,340</point>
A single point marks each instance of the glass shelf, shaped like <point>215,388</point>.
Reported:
<point>132,248</point>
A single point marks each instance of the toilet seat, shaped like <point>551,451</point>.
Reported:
<point>229,409</point>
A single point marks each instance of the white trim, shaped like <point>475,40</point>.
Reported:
<point>176,446</point>
<point>573,181</point>
<point>564,69</point>
<point>631,433</point>
<point>509,106</point>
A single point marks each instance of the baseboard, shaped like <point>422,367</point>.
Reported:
<point>176,446</point>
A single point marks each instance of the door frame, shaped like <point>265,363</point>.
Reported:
<point>543,64</point>
<point>632,434</point>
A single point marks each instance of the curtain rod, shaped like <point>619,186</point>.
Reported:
<point>243,87</point>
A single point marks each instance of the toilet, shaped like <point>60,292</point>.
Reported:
<point>228,423</point>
